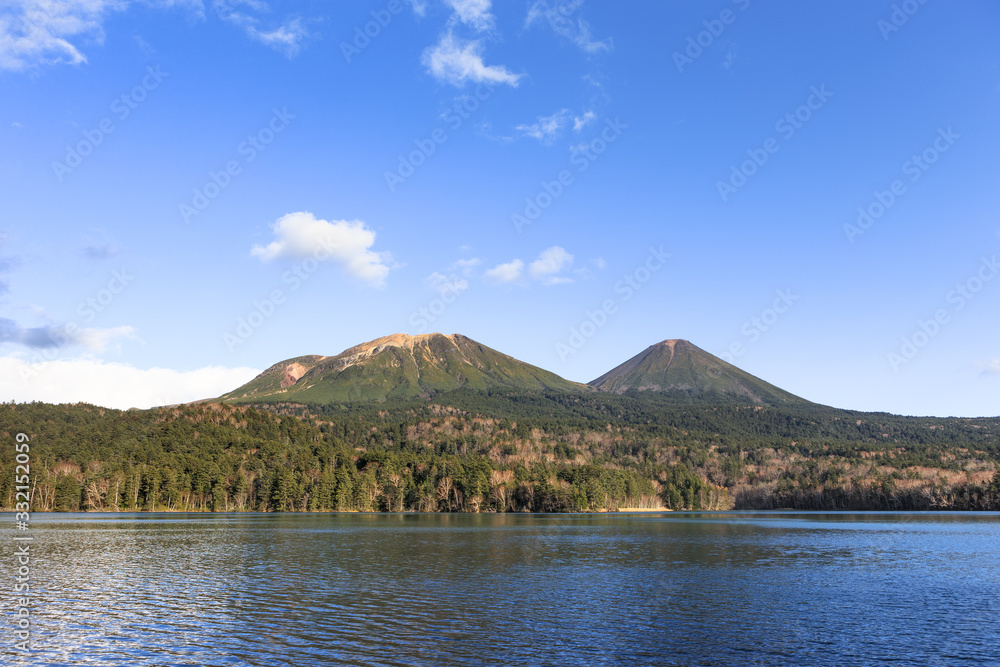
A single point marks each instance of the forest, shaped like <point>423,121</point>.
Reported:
<point>534,452</point>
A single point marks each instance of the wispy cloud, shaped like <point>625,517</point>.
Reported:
<point>550,268</point>
<point>99,340</point>
<point>61,336</point>
<point>583,121</point>
<point>419,7</point>
<point>450,283</point>
<point>348,243</point>
<point>101,251</point>
<point>466,266</point>
<point>559,17</point>
<point>5,264</point>
<point>991,367</point>
<point>730,57</point>
<point>547,129</point>
<point>587,272</point>
<point>286,38</point>
<point>100,248</point>
<point>143,45</point>
<point>458,62</point>
<point>474,13</point>
<point>36,33</point>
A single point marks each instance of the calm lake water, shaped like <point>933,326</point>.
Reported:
<point>660,589</point>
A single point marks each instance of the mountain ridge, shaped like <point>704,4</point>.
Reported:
<point>399,366</point>
<point>678,367</point>
<point>424,365</point>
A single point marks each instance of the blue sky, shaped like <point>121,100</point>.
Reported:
<point>193,191</point>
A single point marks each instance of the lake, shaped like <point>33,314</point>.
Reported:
<point>727,588</point>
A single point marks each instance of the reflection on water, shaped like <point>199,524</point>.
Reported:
<point>730,588</point>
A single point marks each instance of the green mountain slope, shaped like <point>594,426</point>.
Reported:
<point>688,373</point>
<point>397,366</point>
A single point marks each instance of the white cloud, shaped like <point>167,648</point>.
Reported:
<point>586,119</point>
<point>114,385</point>
<point>550,268</point>
<point>485,129</point>
<point>47,32</point>
<point>143,45</point>
<point>419,7</point>
<point>559,18</point>
<point>585,273</point>
<point>991,367</point>
<point>348,243</point>
<point>457,63</point>
<point>551,262</point>
<point>38,32</point>
<point>286,38</point>
<point>547,128</point>
<point>474,13</point>
<point>511,272</point>
<point>443,284</point>
<point>97,340</point>
<point>466,266</point>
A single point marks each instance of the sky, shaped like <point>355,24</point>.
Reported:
<point>194,190</point>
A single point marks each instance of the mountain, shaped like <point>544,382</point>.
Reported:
<point>687,372</point>
<point>398,366</point>
<point>673,427</point>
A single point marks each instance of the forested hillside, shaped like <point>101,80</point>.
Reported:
<point>534,452</point>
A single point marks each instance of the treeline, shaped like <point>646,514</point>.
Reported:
<point>498,451</point>
<point>224,458</point>
<point>884,496</point>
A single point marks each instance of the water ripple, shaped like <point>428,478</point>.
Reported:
<point>387,590</point>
